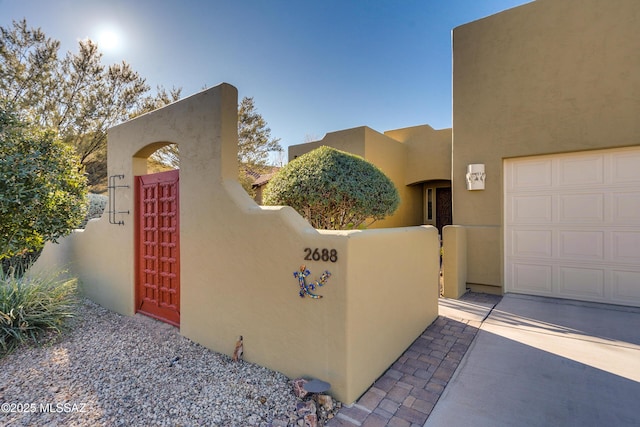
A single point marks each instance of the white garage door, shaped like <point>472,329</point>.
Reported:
<point>572,226</point>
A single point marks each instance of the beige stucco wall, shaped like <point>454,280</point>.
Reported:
<point>391,157</point>
<point>349,140</point>
<point>378,316</point>
<point>428,153</point>
<point>238,260</point>
<point>547,77</point>
<point>454,261</point>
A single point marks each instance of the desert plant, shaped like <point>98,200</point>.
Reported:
<point>333,189</point>
<point>32,305</point>
<point>19,264</point>
<point>96,206</point>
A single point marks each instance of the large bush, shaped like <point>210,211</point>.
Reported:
<point>18,264</point>
<point>333,189</point>
<point>42,189</point>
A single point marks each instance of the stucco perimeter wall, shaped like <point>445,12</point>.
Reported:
<point>238,259</point>
<point>546,77</point>
<point>97,257</point>
<point>454,261</point>
<point>469,259</point>
<point>103,255</point>
<point>385,309</point>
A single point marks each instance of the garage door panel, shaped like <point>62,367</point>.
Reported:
<point>532,209</point>
<point>625,289</point>
<point>582,245</point>
<point>532,243</point>
<point>626,246</point>
<point>580,171</point>
<point>581,208</point>
<point>581,283</point>
<point>626,207</point>
<point>531,174</point>
<point>625,167</point>
<point>572,225</point>
<point>534,278</point>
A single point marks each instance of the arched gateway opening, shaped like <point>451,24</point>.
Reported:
<point>157,238</point>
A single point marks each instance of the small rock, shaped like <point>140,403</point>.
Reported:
<point>298,388</point>
<point>325,401</point>
<point>305,408</point>
<point>321,413</point>
<point>253,419</point>
<point>311,420</point>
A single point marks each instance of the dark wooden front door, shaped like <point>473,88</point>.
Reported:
<point>158,246</point>
<point>443,208</point>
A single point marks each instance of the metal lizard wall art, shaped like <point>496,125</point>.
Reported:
<point>305,289</point>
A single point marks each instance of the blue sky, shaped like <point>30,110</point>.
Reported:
<point>312,66</point>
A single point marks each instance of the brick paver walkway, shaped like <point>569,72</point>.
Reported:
<point>407,392</point>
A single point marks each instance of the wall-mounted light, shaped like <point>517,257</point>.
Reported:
<point>475,177</point>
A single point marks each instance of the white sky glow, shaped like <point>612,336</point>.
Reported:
<point>109,39</point>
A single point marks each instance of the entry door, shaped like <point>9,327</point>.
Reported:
<point>443,208</point>
<point>158,246</point>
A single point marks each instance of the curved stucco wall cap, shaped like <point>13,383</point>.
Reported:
<point>151,148</point>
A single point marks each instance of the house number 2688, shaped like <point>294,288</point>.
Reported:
<point>320,254</point>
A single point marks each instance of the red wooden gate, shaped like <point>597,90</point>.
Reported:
<point>158,246</point>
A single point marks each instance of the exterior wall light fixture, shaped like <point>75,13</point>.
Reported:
<point>476,177</point>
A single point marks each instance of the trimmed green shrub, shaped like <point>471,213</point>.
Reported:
<point>333,189</point>
<point>42,187</point>
<point>32,305</point>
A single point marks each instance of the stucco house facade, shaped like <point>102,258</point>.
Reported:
<point>542,169</point>
<point>546,99</point>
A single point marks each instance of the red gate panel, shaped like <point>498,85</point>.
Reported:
<point>158,246</point>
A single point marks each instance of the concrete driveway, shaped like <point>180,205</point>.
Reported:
<point>547,362</point>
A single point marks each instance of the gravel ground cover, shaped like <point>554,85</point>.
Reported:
<point>113,370</point>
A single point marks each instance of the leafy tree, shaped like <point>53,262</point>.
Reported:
<point>254,144</point>
<point>254,136</point>
<point>81,98</point>
<point>42,189</point>
<point>161,99</point>
<point>333,189</point>
<point>75,95</point>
